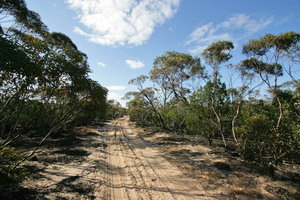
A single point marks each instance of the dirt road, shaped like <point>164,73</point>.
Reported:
<point>137,171</point>
<point>117,160</point>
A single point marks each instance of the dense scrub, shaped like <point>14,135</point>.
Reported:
<point>188,98</point>
<point>44,85</point>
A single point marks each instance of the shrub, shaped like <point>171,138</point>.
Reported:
<point>9,173</point>
<point>264,144</point>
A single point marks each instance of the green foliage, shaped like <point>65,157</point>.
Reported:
<point>92,105</point>
<point>218,52</point>
<point>200,120</point>
<point>269,56</point>
<point>172,70</point>
<point>44,83</point>
<point>43,74</point>
<point>280,43</point>
<point>147,99</point>
<point>115,110</point>
<point>254,134</point>
<point>263,143</point>
<point>9,174</point>
<point>261,133</point>
<point>27,18</point>
<point>259,66</point>
<point>174,116</point>
<point>265,140</point>
<point>141,112</point>
<point>200,117</point>
<point>142,116</point>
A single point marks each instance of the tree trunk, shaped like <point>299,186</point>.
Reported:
<point>266,80</point>
<point>213,106</point>
<point>281,112</point>
<point>233,123</point>
<point>219,121</point>
<point>162,122</point>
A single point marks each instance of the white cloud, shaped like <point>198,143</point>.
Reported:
<point>101,64</point>
<point>117,97</point>
<point>254,26</point>
<point>283,20</point>
<point>80,32</point>
<point>125,22</point>
<point>135,64</point>
<point>199,32</point>
<point>116,87</point>
<point>113,95</point>
<point>198,49</point>
<point>235,28</point>
<point>237,21</point>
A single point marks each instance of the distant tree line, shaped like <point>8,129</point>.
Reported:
<point>44,83</point>
<point>115,110</point>
<point>189,98</point>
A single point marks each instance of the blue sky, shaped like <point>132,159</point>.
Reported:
<point>122,37</point>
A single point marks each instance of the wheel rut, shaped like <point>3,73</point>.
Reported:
<point>137,171</point>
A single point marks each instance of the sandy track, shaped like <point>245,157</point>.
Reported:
<point>117,160</point>
<point>138,171</point>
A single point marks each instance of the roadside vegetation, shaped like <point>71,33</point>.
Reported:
<point>192,99</point>
<point>45,87</point>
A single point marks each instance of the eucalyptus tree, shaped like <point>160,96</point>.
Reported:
<point>21,17</point>
<point>44,83</point>
<point>269,136</point>
<point>42,74</point>
<point>49,87</point>
<point>115,110</point>
<point>172,72</point>
<point>215,55</point>
<point>149,95</point>
<point>268,56</point>
<point>93,103</point>
<point>238,95</point>
<point>200,118</point>
<point>18,67</point>
<point>140,111</point>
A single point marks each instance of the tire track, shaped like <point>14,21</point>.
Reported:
<point>134,169</point>
<point>173,186</point>
<point>139,172</point>
<point>116,190</point>
<point>153,179</point>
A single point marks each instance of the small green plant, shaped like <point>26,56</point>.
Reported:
<point>9,173</point>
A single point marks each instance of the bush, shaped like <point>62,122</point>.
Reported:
<point>9,174</point>
<point>174,117</point>
<point>263,143</point>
